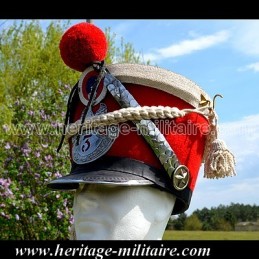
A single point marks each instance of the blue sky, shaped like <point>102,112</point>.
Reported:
<point>221,56</point>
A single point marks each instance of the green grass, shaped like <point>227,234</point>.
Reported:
<point>210,235</point>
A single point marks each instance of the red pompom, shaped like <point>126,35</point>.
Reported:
<point>83,44</point>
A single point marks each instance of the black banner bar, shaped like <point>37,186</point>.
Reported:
<point>129,249</point>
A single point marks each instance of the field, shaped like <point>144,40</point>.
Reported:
<point>210,235</point>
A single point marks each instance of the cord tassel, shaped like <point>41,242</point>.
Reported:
<point>220,162</point>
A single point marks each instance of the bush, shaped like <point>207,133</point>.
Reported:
<point>192,223</point>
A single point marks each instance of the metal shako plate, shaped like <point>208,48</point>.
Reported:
<point>93,143</point>
<point>181,177</point>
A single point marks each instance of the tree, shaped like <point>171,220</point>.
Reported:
<point>178,223</point>
<point>230,219</point>
<point>225,217</point>
<point>205,216</point>
<point>34,87</point>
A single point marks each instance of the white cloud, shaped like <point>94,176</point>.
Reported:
<point>246,37</point>
<point>243,134</point>
<point>242,139</point>
<point>254,67</point>
<point>212,193</point>
<point>185,47</point>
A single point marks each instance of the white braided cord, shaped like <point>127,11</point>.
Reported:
<point>132,114</point>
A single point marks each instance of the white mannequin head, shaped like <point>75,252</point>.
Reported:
<point>113,212</point>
